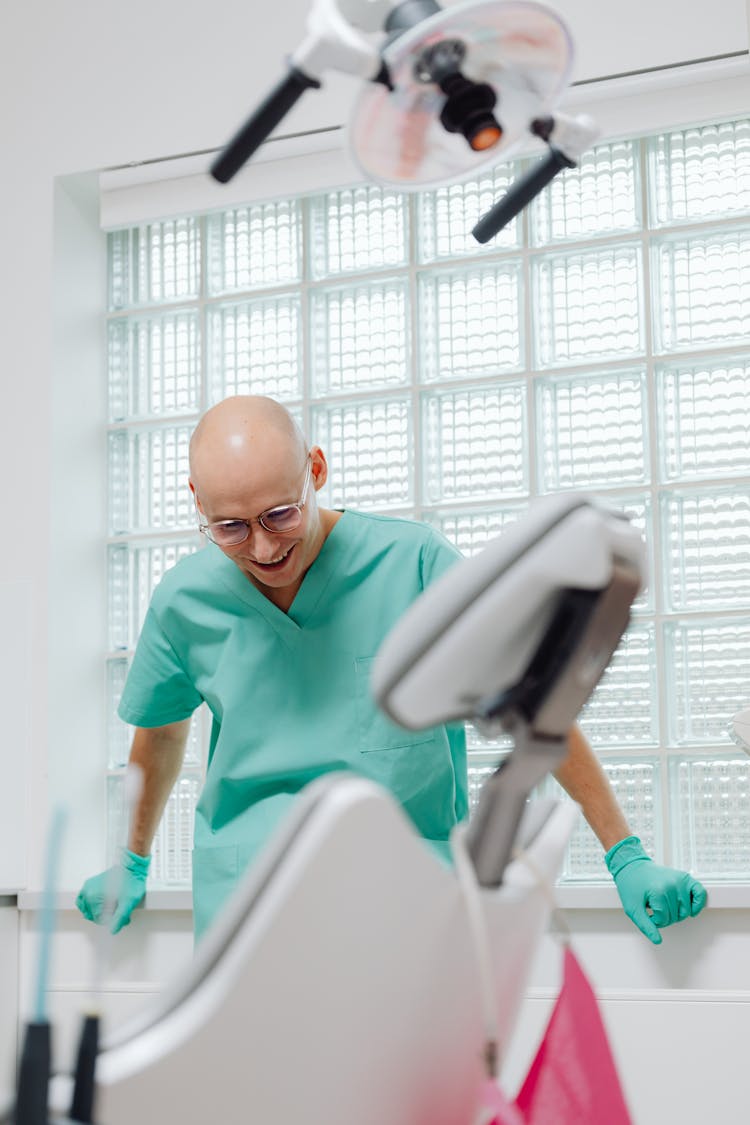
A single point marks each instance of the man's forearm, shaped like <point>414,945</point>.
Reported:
<point>158,752</point>
<point>583,778</point>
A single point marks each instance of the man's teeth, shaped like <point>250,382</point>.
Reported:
<point>278,560</point>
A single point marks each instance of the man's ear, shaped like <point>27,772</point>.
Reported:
<point>319,467</point>
<point>191,486</point>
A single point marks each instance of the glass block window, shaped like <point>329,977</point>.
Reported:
<point>587,305</point>
<point>700,292</point>
<point>710,827</point>
<point>637,785</point>
<point>703,409</point>
<point>600,343</point>
<point>470,322</point>
<point>254,247</point>
<point>357,228</point>
<point>600,196</point>
<point>360,337</point>
<point>701,173</point>
<point>605,415</point>
<point>445,217</point>
<point>255,347</point>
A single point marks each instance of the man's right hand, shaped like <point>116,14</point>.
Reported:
<point>112,896</point>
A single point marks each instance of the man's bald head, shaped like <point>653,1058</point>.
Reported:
<point>247,456</point>
<point>242,437</point>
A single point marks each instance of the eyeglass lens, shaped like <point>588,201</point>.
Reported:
<point>232,532</point>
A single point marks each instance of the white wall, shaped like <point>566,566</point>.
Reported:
<point>89,84</point>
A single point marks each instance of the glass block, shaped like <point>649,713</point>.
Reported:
<point>361,228</point>
<point>601,196</point>
<point>369,451</point>
<point>707,665</point>
<point>134,571</point>
<point>710,807</point>
<point>492,744</point>
<point>592,430</point>
<point>637,789</point>
<point>171,863</point>
<point>256,348</point>
<point>254,247</point>
<point>482,765</point>
<point>474,443</point>
<point>119,734</point>
<point>171,854</point>
<point>471,530</point>
<point>637,507</point>
<point>704,418</point>
<point>148,480</point>
<point>154,366</point>
<point>587,306</point>
<point>447,216</point>
<point>700,173</point>
<point>360,337</point>
<point>470,321</point>
<point>154,263</point>
<point>706,538</point>
<point>119,269</point>
<point>700,289</point>
<point>623,710</point>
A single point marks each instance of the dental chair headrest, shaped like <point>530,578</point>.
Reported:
<point>524,629</point>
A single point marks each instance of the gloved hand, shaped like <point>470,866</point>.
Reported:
<point>124,884</point>
<point>643,885</point>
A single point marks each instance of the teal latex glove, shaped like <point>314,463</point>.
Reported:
<point>643,886</point>
<point>125,883</point>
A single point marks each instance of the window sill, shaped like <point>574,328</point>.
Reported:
<point>603,896</point>
<point>163,898</point>
<point>590,896</point>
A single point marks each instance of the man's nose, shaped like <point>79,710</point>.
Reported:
<point>264,544</point>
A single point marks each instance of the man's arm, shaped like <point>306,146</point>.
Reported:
<point>652,896</point>
<point>158,752</point>
<point>582,777</point>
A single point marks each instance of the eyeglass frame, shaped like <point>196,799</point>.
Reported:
<point>205,528</point>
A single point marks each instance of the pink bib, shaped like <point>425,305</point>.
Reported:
<point>572,1080</point>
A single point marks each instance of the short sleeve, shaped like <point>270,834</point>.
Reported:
<point>158,690</point>
<point>438,555</point>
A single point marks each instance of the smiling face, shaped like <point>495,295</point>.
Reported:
<point>247,455</point>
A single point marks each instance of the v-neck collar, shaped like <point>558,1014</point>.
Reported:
<point>314,584</point>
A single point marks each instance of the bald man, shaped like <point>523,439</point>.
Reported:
<point>275,626</point>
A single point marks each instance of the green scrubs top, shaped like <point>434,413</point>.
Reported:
<point>290,692</point>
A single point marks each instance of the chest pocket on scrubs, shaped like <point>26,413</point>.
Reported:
<point>376,731</point>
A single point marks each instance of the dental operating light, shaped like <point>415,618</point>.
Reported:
<point>447,93</point>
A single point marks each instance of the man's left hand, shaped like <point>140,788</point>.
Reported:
<point>652,896</point>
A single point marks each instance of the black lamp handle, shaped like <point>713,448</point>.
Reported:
<point>521,194</point>
<point>261,124</point>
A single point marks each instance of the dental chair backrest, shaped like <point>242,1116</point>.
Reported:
<point>521,631</point>
<point>340,985</point>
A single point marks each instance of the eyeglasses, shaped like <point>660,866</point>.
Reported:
<point>286,517</point>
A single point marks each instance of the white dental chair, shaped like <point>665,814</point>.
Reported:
<point>340,986</point>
